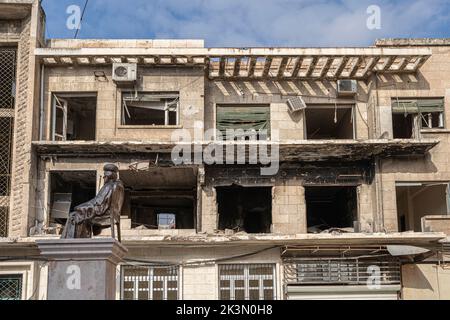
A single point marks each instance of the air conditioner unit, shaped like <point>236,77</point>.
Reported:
<point>346,87</point>
<point>124,72</point>
<point>296,104</point>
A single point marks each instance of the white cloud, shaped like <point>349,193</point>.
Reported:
<point>264,22</point>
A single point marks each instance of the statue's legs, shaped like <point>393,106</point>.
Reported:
<point>74,230</point>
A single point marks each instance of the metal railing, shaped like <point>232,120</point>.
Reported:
<point>341,271</point>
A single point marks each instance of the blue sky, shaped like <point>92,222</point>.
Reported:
<point>247,23</point>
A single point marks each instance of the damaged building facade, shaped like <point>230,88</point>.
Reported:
<point>357,208</point>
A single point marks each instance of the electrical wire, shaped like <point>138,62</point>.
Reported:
<point>207,261</point>
<point>81,18</point>
<point>134,261</point>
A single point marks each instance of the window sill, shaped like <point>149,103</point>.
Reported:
<point>150,127</point>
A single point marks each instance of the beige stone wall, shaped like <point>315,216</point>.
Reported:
<point>199,98</point>
<point>288,208</point>
<point>425,282</point>
<point>10,30</point>
<point>201,280</point>
<point>290,126</point>
<point>189,82</point>
<point>209,217</point>
<point>433,80</point>
<point>200,283</point>
<point>436,223</point>
<point>23,170</point>
<point>366,207</point>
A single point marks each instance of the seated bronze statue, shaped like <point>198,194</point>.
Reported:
<point>101,212</point>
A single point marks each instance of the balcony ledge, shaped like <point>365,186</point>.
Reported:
<point>289,150</point>
<point>199,240</point>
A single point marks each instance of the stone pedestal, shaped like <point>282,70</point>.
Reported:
<point>82,269</point>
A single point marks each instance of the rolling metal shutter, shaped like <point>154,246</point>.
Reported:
<point>388,292</point>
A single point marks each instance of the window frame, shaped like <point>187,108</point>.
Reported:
<point>258,137</point>
<point>246,277</point>
<point>419,117</point>
<point>61,98</point>
<point>22,275</point>
<point>163,95</point>
<point>351,106</point>
<point>150,274</point>
<point>163,212</point>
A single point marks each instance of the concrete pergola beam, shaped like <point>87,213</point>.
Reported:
<point>355,63</point>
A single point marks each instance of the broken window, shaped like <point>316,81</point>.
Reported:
<point>409,116</point>
<point>74,116</point>
<point>329,122</point>
<point>166,220</point>
<point>160,198</point>
<point>150,109</point>
<point>69,189</point>
<point>331,207</point>
<point>247,282</point>
<point>11,286</point>
<point>416,200</point>
<point>246,209</point>
<point>149,283</point>
<point>243,122</point>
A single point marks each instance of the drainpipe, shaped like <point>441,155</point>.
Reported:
<point>41,105</point>
<point>379,223</point>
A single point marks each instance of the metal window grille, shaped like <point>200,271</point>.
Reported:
<point>247,282</point>
<point>6,135</point>
<point>7,100</point>
<point>149,283</point>
<point>11,287</point>
<point>7,77</point>
<point>4,214</point>
<point>341,271</point>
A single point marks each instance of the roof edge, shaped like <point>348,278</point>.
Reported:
<point>411,42</point>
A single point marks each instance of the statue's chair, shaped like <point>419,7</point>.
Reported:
<point>113,219</point>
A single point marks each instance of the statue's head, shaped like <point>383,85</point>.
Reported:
<point>110,172</point>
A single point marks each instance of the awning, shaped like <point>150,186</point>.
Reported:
<point>416,106</point>
<point>326,292</point>
<point>148,97</point>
